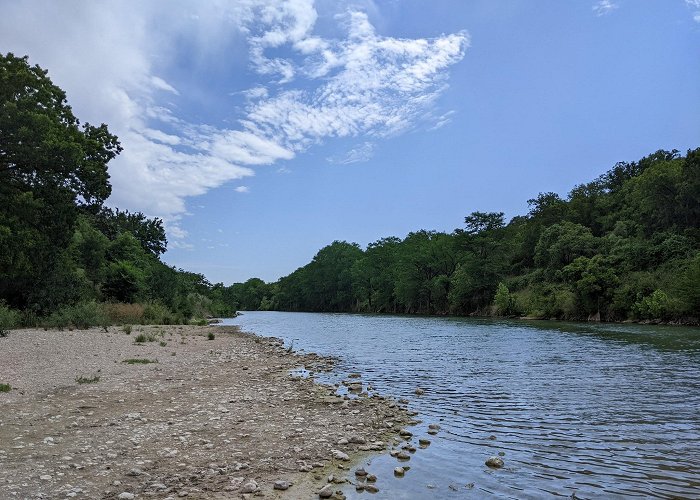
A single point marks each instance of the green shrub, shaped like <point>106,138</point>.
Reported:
<point>127,329</point>
<point>120,314</point>
<point>211,336</point>
<point>5,388</point>
<point>139,361</point>
<point>504,301</point>
<point>157,314</point>
<point>88,380</point>
<point>143,337</point>
<point>9,318</point>
<point>654,306</point>
<point>81,316</point>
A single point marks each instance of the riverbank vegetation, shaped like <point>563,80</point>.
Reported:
<point>623,246</point>
<point>66,259</point>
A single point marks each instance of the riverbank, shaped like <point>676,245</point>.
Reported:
<point>94,414</point>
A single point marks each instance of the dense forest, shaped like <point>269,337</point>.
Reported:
<point>65,258</point>
<point>623,246</point>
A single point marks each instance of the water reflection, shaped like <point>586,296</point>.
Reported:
<point>586,410</point>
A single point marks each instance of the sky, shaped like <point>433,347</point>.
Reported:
<point>262,130</point>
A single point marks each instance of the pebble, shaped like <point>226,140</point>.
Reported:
<point>339,455</point>
<point>495,462</point>
<point>126,496</point>
<point>45,477</point>
<point>281,485</point>
<point>326,491</point>
<point>361,472</point>
<point>249,487</point>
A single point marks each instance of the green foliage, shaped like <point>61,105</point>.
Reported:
<point>504,301</point>
<point>82,316</point>
<point>143,337</point>
<point>9,318</point>
<point>127,329</point>
<point>5,388</point>
<point>139,361</point>
<point>88,380</point>
<point>211,336</point>
<point>602,252</point>
<point>654,306</point>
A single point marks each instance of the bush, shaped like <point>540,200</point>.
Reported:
<point>157,314</point>
<point>9,318</point>
<point>211,336</point>
<point>127,329</point>
<point>121,314</point>
<point>504,301</point>
<point>654,306</point>
<point>139,361</point>
<point>142,337</point>
<point>5,388</point>
<point>81,316</point>
<point>88,380</point>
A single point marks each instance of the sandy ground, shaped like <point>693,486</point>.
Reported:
<point>209,419</point>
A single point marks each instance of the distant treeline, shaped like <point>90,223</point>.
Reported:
<point>624,246</point>
<point>65,258</point>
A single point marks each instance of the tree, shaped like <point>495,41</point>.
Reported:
<point>49,166</point>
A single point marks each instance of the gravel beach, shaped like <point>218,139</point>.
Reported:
<point>196,417</point>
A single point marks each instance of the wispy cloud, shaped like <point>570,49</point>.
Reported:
<point>604,7</point>
<point>356,83</point>
<point>242,189</point>
<point>360,153</point>
<point>695,5</point>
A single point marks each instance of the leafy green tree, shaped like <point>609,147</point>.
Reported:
<point>49,165</point>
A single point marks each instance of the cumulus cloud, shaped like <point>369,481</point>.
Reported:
<point>116,60</point>
<point>604,7</point>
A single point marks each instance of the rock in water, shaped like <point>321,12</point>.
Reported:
<point>420,391</point>
<point>494,462</point>
<point>399,471</point>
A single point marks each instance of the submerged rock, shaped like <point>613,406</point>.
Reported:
<point>495,462</point>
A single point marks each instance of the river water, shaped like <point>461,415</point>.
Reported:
<point>577,410</point>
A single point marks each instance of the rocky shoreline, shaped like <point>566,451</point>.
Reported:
<point>181,411</point>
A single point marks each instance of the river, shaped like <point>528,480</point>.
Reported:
<point>576,410</point>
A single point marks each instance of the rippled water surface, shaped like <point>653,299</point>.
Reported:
<point>593,411</point>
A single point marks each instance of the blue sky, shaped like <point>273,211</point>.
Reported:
<point>261,131</point>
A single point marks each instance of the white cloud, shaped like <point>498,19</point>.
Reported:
<point>113,59</point>
<point>242,189</point>
<point>604,7</point>
<point>694,4</point>
<point>361,153</point>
